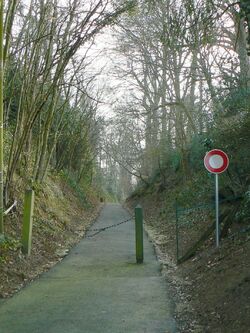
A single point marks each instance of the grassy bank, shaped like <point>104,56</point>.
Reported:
<point>61,216</point>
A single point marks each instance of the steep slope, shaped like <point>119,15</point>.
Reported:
<point>212,288</point>
<point>60,220</point>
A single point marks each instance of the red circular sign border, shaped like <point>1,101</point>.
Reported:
<point>216,152</point>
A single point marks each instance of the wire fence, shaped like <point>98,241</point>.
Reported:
<point>190,225</point>
<point>195,225</point>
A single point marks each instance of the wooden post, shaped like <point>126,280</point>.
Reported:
<point>139,234</point>
<point>27,222</point>
<point>1,117</point>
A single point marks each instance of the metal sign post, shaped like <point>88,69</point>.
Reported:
<point>216,161</point>
<point>217,210</point>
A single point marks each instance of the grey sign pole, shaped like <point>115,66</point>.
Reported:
<point>217,210</point>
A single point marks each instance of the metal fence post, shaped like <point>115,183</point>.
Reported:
<point>177,232</point>
<point>27,222</point>
<point>139,234</point>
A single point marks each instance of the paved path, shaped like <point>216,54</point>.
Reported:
<point>97,288</point>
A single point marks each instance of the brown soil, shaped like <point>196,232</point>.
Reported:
<point>211,290</point>
<point>60,221</point>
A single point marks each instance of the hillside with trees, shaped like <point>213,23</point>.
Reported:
<point>185,68</point>
<point>49,129</point>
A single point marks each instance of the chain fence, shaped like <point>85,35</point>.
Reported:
<point>96,231</point>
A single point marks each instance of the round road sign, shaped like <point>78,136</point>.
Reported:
<point>216,161</point>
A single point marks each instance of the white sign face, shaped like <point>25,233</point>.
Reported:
<point>216,161</point>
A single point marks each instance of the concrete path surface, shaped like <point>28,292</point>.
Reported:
<point>97,288</point>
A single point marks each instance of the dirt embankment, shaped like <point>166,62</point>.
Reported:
<point>211,289</point>
<point>60,221</point>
